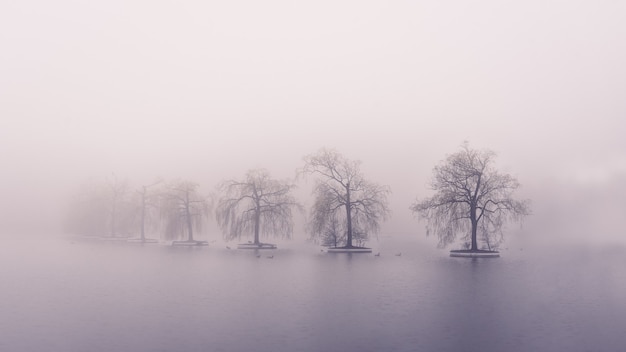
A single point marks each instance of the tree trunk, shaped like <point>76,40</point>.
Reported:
<point>474,228</point>
<point>474,232</point>
<point>113,220</point>
<point>143,214</point>
<point>188,216</point>
<point>257,223</point>
<point>349,216</point>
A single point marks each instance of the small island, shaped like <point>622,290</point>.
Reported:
<point>142,240</point>
<point>259,245</point>
<point>190,243</point>
<point>468,253</point>
<point>349,249</point>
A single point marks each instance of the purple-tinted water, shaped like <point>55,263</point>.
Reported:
<point>64,296</point>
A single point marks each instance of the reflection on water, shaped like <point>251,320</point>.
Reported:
<point>63,296</point>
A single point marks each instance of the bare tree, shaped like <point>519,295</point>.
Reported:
<point>471,197</point>
<point>118,192</point>
<point>147,202</point>
<point>183,209</point>
<point>257,205</point>
<point>342,194</point>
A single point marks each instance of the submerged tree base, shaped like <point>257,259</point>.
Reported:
<point>350,249</point>
<point>479,253</point>
<point>190,243</point>
<point>256,246</point>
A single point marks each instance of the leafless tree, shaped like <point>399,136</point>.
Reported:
<point>471,197</point>
<point>257,205</point>
<point>183,209</point>
<point>147,202</point>
<point>342,194</point>
<point>118,203</point>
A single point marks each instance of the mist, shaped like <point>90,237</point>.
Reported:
<point>205,91</point>
<point>151,92</point>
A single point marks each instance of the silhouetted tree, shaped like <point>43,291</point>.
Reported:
<point>183,209</point>
<point>471,197</point>
<point>146,202</point>
<point>119,206</point>
<point>344,201</point>
<point>257,205</point>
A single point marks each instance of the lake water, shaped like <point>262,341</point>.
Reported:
<point>59,295</point>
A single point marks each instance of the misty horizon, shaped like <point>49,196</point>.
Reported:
<point>207,91</point>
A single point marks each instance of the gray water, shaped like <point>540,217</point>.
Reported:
<point>70,296</point>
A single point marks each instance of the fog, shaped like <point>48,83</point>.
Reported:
<point>207,90</point>
<point>93,92</point>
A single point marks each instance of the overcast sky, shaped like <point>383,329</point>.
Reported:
<point>205,90</point>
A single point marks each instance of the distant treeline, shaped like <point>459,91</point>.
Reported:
<point>472,201</point>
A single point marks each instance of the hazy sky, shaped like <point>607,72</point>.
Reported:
<point>205,90</point>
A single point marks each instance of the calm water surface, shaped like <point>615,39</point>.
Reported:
<point>66,296</point>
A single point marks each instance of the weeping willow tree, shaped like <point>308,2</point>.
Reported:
<point>472,199</point>
<point>346,204</point>
<point>256,206</point>
<point>183,210</point>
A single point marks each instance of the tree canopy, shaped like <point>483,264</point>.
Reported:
<point>471,198</point>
